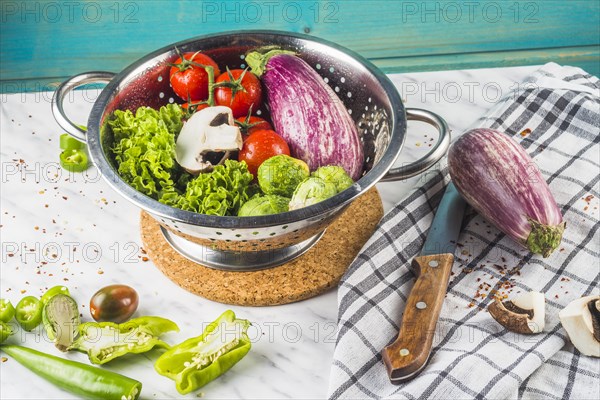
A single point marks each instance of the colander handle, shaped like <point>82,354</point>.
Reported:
<point>435,154</point>
<point>65,88</point>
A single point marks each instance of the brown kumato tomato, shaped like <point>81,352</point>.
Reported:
<point>114,303</point>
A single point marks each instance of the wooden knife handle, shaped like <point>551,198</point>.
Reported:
<point>405,358</point>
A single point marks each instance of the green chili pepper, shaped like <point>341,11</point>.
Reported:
<point>68,142</point>
<point>53,291</point>
<point>74,160</point>
<point>197,361</point>
<point>75,377</point>
<point>5,331</point>
<point>29,312</point>
<point>7,311</point>
<point>61,320</point>
<point>105,341</point>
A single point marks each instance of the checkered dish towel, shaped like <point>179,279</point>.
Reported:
<point>473,356</point>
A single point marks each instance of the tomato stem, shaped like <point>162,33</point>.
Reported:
<point>185,62</point>
<point>234,84</point>
<point>210,71</point>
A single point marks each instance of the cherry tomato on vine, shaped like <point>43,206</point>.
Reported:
<point>260,146</point>
<point>188,77</point>
<point>193,107</point>
<point>238,89</point>
<point>250,124</point>
<point>190,108</point>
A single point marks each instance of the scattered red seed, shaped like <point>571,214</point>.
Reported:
<point>525,132</point>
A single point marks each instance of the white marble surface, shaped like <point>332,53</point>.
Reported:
<point>74,230</point>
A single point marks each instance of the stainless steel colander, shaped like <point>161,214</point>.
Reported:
<point>249,243</point>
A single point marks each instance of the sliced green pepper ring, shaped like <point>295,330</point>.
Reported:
<point>53,291</point>
<point>7,311</point>
<point>5,331</point>
<point>68,142</point>
<point>29,312</point>
<point>74,160</point>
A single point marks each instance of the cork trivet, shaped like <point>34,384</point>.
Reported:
<point>308,275</point>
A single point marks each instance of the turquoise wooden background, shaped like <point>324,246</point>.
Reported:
<point>45,41</point>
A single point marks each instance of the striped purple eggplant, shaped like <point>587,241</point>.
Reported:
<point>307,113</point>
<point>502,183</point>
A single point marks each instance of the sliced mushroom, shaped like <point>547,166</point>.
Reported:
<point>523,314</point>
<point>207,139</point>
<point>581,320</point>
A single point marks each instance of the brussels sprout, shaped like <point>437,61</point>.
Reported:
<point>312,191</point>
<point>336,175</point>
<point>264,205</point>
<point>281,175</point>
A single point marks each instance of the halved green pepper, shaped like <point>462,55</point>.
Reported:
<point>53,291</point>
<point>68,142</point>
<point>7,310</point>
<point>105,341</point>
<point>29,312</point>
<point>73,157</point>
<point>197,361</point>
<point>74,160</point>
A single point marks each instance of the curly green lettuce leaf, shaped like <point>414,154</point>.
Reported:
<point>144,147</point>
<point>220,192</point>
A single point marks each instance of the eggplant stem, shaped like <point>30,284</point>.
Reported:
<point>257,61</point>
<point>544,239</point>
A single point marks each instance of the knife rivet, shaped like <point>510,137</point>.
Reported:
<point>421,305</point>
<point>404,352</point>
<point>433,264</point>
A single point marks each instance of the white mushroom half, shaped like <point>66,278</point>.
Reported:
<point>523,314</point>
<point>210,130</point>
<point>581,320</point>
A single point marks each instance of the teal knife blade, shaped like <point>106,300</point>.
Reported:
<point>445,228</point>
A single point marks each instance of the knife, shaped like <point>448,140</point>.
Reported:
<point>409,353</point>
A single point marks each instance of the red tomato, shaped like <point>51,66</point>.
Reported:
<point>239,90</point>
<point>250,124</point>
<point>190,81</point>
<point>261,145</point>
<point>193,106</point>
